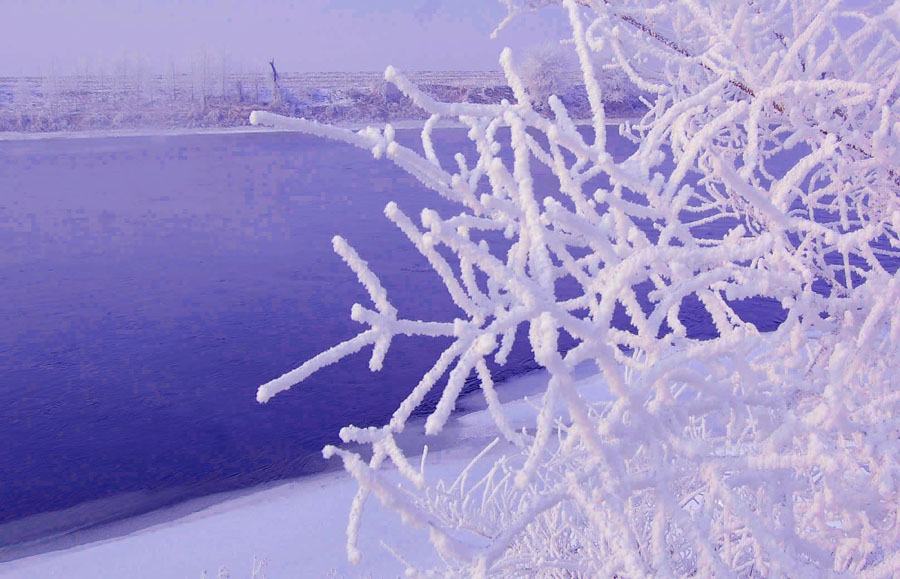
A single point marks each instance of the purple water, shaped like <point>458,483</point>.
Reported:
<point>148,286</point>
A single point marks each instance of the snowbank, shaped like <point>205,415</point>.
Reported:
<point>152,132</point>
<point>176,132</point>
<point>295,529</point>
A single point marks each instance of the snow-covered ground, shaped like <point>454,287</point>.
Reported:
<point>294,529</point>
<point>174,132</point>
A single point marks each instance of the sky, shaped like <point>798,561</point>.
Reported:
<point>80,36</point>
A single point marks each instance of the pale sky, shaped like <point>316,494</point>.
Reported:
<point>302,35</point>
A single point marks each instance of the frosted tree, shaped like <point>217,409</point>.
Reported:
<point>766,166</point>
<point>543,71</point>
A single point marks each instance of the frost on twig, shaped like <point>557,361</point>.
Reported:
<point>766,166</point>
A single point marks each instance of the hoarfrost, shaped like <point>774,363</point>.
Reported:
<point>751,454</point>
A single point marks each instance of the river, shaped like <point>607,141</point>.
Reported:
<point>148,285</point>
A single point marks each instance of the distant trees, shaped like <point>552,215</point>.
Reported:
<point>546,69</point>
<point>131,91</point>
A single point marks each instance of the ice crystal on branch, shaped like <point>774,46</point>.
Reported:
<point>766,166</point>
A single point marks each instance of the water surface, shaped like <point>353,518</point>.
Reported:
<point>148,285</point>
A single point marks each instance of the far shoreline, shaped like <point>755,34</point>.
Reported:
<point>13,136</point>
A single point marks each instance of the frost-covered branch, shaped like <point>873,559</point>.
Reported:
<point>765,168</point>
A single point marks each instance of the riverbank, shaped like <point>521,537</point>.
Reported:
<point>181,132</point>
<point>33,105</point>
<point>249,129</point>
<point>289,529</point>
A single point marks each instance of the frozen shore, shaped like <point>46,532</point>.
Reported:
<point>295,528</point>
<point>177,132</point>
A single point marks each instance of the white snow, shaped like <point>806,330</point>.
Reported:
<point>151,132</point>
